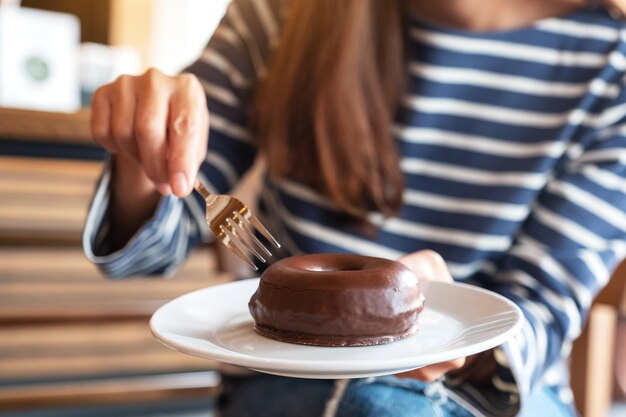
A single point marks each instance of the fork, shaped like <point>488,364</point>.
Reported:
<point>233,224</point>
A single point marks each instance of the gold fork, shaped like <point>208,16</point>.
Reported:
<point>232,223</point>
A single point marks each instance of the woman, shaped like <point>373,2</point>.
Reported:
<point>492,136</point>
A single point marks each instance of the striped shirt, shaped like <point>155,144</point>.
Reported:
<point>513,145</point>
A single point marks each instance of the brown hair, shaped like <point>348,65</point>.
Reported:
<point>323,114</point>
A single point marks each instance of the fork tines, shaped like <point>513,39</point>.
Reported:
<point>239,236</point>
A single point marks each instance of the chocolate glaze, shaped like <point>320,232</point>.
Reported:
<point>337,300</point>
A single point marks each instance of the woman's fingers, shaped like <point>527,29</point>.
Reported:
<point>123,100</point>
<point>433,372</point>
<point>158,121</point>
<point>428,265</point>
<point>187,133</point>
<point>150,127</point>
<point>101,120</point>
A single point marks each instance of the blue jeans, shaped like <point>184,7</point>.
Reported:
<point>272,396</point>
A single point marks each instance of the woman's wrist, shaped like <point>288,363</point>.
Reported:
<point>134,199</point>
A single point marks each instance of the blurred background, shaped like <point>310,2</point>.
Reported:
<point>73,343</point>
<point>55,53</point>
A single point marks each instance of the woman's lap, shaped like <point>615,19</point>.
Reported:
<point>546,403</point>
<point>389,396</point>
<point>271,396</point>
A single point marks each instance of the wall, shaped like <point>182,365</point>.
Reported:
<point>180,29</point>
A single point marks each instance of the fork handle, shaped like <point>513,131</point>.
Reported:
<point>201,189</point>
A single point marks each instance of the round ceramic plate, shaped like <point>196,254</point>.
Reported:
<point>214,323</point>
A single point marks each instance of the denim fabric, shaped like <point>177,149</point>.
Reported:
<point>546,403</point>
<point>393,397</point>
<point>273,396</point>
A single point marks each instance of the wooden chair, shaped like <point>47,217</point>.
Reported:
<point>592,360</point>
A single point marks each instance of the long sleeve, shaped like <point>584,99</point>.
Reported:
<point>228,69</point>
<point>562,256</point>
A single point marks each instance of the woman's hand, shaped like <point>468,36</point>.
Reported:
<point>429,265</point>
<point>157,126</point>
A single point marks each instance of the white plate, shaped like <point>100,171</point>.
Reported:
<point>214,323</point>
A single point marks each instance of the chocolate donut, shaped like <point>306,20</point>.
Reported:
<point>337,300</point>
